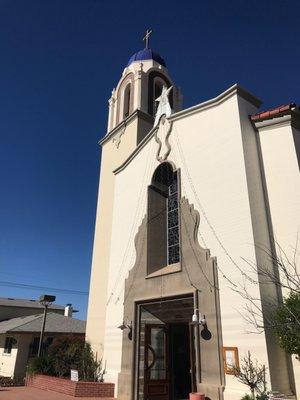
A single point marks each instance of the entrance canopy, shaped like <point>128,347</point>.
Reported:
<point>172,311</point>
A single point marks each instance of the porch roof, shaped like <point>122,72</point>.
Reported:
<point>25,303</point>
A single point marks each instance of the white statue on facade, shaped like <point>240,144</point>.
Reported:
<point>162,124</point>
<point>164,107</point>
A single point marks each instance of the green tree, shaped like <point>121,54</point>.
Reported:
<point>286,324</point>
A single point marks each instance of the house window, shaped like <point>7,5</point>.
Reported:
<point>9,342</point>
<point>163,219</point>
<point>48,342</point>
<point>34,346</point>
<point>127,93</point>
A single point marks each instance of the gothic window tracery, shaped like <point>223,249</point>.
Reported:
<point>173,222</point>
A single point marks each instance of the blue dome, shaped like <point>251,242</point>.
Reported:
<point>146,54</point>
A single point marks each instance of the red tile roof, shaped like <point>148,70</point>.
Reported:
<point>273,113</point>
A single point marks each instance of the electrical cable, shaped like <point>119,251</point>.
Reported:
<point>205,215</point>
<point>140,205</point>
<point>35,287</point>
<point>186,170</point>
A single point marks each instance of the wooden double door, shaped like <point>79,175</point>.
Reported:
<point>168,362</point>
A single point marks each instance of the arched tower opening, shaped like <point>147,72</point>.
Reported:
<point>126,101</point>
<point>156,81</point>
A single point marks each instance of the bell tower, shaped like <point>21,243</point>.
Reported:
<point>132,109</point>
<point>140,85</point>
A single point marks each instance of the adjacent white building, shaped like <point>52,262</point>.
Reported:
<point>20,327</point>
<point>184,206</point>
<point>19,339</point>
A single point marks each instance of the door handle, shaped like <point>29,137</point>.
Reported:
<point>147,367</point>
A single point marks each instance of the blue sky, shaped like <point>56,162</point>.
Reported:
<point>60,60</point>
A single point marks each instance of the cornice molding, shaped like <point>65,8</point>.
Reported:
<point>122,125</point>
<point>233,90</point>
<point>136,151</point>
<point>292,119</point>
<point>273,123</point>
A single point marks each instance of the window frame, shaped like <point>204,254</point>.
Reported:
<point>7,349</point>
<point>234,350</point>
<point>31,352</point>
<point>165,268</point>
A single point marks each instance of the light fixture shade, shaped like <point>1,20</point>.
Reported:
<point>195,319</point>
<point>47,298</point>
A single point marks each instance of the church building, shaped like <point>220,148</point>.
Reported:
<point>188,200</point>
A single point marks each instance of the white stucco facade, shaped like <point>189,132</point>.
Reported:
<point>13,364</point>
<point>280,159</point>
<point>215,146</point>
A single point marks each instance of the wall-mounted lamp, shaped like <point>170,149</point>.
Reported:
<point>197,318</point>
<point>126,325</point>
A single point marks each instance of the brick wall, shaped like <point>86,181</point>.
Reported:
<point>76,389</point>
<point>94,389</point>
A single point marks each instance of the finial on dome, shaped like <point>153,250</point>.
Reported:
<point>147,53</point>
<point>146,37</point>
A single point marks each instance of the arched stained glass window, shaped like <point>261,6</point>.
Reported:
<point>163,218</point>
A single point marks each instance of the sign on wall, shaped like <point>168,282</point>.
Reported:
<point>231,359</point>
<point>74,375</point>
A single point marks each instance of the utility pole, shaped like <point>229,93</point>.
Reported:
<point>46,300</point>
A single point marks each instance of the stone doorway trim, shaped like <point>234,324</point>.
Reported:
<point>198,274</point>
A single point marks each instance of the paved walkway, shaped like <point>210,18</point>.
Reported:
<point>29,393</point>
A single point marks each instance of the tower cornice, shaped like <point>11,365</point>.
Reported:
<point>136,114</point>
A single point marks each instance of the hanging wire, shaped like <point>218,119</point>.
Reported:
<point>140,206</point>
<point>204,213</point>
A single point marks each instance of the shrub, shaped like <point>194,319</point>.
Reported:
<point>262,396</point>
<point>246,397</point>
<point>286,324</point>
<point>6,381</point>
<point>41,365</point>
<point>64,354</point>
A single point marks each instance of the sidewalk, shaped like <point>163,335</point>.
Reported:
<point>29,393</point>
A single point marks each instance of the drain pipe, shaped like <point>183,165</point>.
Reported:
<point>197,340</point>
